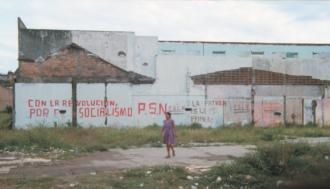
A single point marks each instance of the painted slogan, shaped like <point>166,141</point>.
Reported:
<point>206,112</point>
<point>85,108</point>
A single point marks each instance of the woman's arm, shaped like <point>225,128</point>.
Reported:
<point>174,129</point>
<point>162,130</point>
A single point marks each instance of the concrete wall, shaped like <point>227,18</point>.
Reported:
<point>108,45</point>
<point>317,67</point>
<point>89,109</point>
<point>126,106</point>
<point>38,44</point>
<point>118,111</point>
<point>145,55</point>
<point>42,104</point>
<point>289,90</point>
<point>122,49</point>
<point>118,105</point>
<point>242,50</point>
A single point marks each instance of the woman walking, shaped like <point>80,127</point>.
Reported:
<point>169,134</point>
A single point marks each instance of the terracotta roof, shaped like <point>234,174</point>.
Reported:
<point>244,76</point>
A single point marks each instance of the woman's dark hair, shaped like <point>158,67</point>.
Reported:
<point>168,113</point>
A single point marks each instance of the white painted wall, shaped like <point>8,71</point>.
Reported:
<point>87,114</point>
<point>173,72</point>
<point>242,49</point>
<point>316,67</point>
<point>122,113</point>
<point>29,111</point>
<point>228,91</point>
<point>145,54</point>
<point>107,45</point>
<point>288,90</point>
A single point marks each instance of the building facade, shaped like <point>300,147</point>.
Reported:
<point>109,78</point>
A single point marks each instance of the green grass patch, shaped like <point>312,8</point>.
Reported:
<point>5,120</point>
<point>42,139</point>
<point>298,163</point>
<point>28,182</point>
<point>155,177</point>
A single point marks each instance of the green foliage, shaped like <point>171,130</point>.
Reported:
<point>195,126</point>
<point>270,163</point>
<point>102,138</point>
<point>28,182</point>
<point>267,136</point>
<point>156,177</point>
<point>8,109</point>
<point>5,120</point>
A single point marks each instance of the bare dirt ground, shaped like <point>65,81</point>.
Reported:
<point>194,159</point>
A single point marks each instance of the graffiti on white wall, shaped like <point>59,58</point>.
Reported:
<point>121,105</point>
<point>41,104</point>
<point>106,105</point>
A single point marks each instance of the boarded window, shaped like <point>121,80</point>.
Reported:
<point>257,53</point>
<point>168,51</point>
<point>219,52</point>
<point>321,54</point>
<point>292,55</point>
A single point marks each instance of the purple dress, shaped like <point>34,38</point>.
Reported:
<point>169,137</point>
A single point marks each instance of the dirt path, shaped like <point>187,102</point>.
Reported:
<point>193,158</point>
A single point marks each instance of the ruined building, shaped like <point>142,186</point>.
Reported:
<point>112,78</point>
<point>6,91</point>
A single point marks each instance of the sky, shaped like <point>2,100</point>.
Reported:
<point>202,20</point>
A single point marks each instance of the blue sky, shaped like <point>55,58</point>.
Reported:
<point>260,21</point>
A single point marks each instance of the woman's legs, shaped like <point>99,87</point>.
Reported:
<point>173,152</point>
<point>168,146</point>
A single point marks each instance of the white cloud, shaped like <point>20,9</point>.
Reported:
<point>170,20</point>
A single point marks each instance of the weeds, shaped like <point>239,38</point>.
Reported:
<point>155,177</point>
<point>272,165</point>
<point>101,139</point>
<point>28,182</point>
<point>5,120</point>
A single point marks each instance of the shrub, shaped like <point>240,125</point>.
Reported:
<point>9,109</point>
<point>5,121</point>
<point>267,136</point>
<point>270,163</point>
<point>195,126</point>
